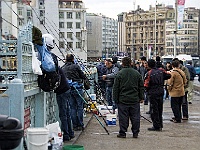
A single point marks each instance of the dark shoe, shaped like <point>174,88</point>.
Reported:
<point>76,129</point>
<point>121,136</point>
<point>175,121</point>
<point>190,102</point>
<point>184,118</point>
<point>81,128</point>
<point>155,129</point>
<point>135,135</point>
<point>71,137</point>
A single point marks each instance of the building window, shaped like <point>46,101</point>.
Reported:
<point>78,34</point>
<point>61,15</point>
<point>61,35</point>
<point>29,13</point>
<point>69,25</point>
<point>69,15</point>
<point>69,34</point>
<point>61,25</point>
<point>78,25</point>
<point>21,21</point>
<point>78,15</point>
<point>20,12</point>
<point>61,44</point>
<point>78,44</point>
<point>41,13</point>
<point>70,44</point>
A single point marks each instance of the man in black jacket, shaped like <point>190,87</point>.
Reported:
<point>154,84</point>
<point>63,97</point>
<point>74,73</point>
<point>128,92</point>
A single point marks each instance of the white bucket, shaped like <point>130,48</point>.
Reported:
<point>93,97</point>
<point>37,138</point>
<point>111,119</point>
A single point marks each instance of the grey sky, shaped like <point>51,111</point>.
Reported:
<point>111,8</point>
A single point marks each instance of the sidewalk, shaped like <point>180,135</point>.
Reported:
<point>184,136</point>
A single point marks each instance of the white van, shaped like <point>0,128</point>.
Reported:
<point>185,58</point>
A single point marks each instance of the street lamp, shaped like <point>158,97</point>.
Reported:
<point>155,28</point>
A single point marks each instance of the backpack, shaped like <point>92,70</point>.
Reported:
<point>49,81</point>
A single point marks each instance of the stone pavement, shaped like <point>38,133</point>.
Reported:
<point>184,136</point>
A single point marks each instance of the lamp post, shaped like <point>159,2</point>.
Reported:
<point>175,32</point>
<point>155,29</point>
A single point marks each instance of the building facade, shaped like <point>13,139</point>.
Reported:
<point>145,31</point>
<point>122,33</point>
<point>187,37</point>
<point>94,36</point>
<point>102,36</point>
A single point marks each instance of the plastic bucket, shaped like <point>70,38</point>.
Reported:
<point>111,119</point>
<point>37,138</point>
<point>73,147</point>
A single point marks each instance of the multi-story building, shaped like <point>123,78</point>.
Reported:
<point>15,14</point>
<point>94,36</point>
<point>66,22</point>
<point>145,31</point>
<point>121,32</point>
<point>102,36</point>
<point>109,36</point>
<point>187,37</point>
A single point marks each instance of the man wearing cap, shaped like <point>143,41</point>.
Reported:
<point>109,78</point>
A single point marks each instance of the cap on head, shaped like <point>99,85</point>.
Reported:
<point>109,60</point>
<point>49,40</point>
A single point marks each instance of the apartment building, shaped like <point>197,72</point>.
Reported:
<point>187,37</point>
<point>122,33</point>
<point>102,36</point>
<point>145,31</point>
<point>15,14</point>
<point>94,36</point>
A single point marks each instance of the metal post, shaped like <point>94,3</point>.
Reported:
<point>155,30</point>
<point>175,32</point>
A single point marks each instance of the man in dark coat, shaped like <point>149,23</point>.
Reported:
<point>154,84</point>
<point>128,92</point>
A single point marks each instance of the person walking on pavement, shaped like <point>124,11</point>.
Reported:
<point>109,78</point>
<point>176,90</point>
<point>128,92</point>
<point>74,73</point>
<point>191,82</point>
<point>153,83</point>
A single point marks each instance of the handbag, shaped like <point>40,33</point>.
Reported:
<point>35,62</point>
<point>86,83</point>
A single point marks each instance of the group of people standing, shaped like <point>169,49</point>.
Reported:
<point>149,81</point>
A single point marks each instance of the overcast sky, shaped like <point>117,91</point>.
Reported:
<point>111,8</point>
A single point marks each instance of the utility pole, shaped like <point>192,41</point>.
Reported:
<point>175,32</point>
<point>0,22</point>
<point>155,30</point>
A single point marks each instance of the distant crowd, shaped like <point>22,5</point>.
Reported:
<point>130,82</point>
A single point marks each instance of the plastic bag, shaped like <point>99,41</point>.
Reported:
<point>55,135</point>
<point>35,62</point>
<point>47,61</point>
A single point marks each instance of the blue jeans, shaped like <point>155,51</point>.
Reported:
<point>109,96</point>
<point>64,114</point>
<point>76,105</point>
